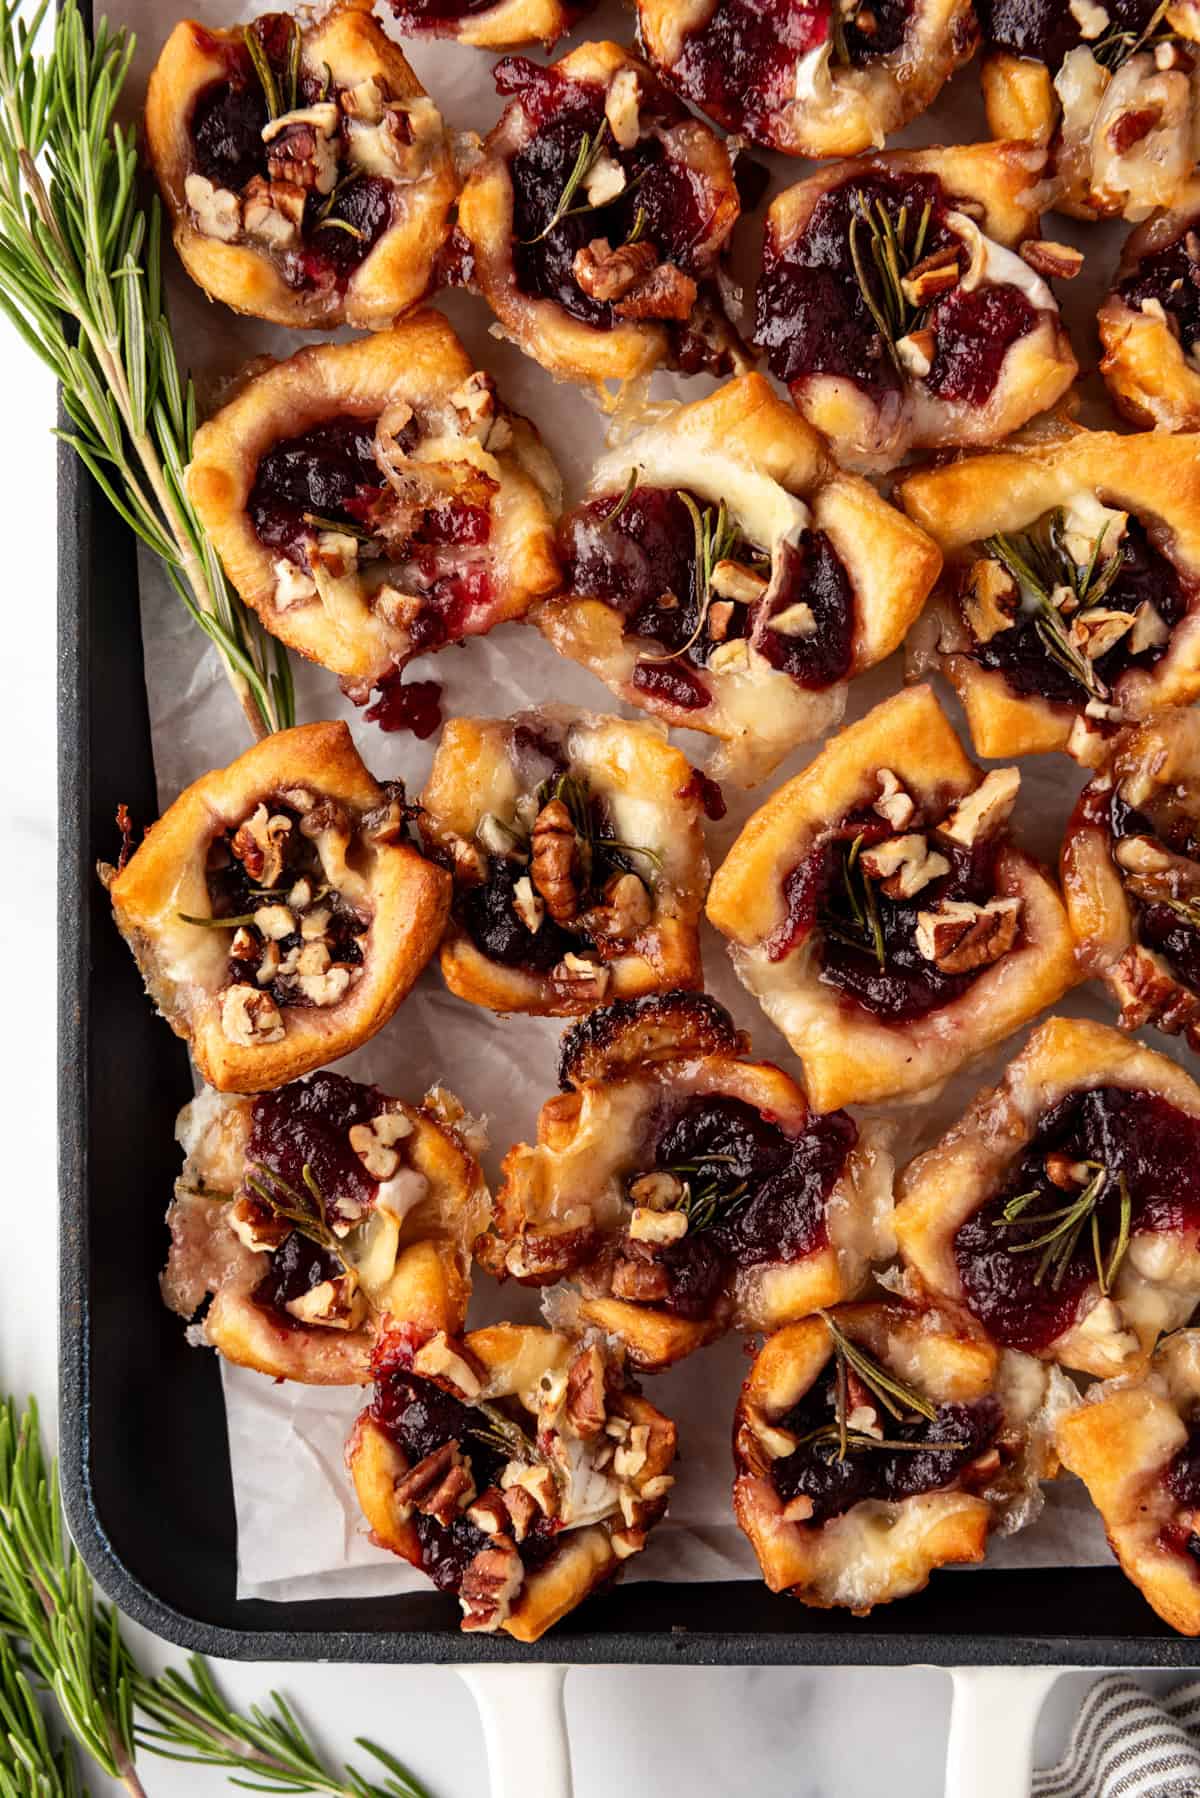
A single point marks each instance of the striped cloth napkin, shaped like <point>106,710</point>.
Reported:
<point>1129,1744</point>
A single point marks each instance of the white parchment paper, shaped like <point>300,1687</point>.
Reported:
<point>299,1531</point>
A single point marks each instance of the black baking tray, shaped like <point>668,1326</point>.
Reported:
<point>143,1451</point>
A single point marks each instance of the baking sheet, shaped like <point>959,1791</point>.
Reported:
<point>299,1531</point>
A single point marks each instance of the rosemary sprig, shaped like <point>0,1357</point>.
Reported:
<point>499,1431</point>
<point>306,1211</point>
<point>863,928</point>
<point>332,224</point>
<point>591,148</point>
<point>705,1202</point>
<point>900,1400</point>
<point>58,1638</point>
<point>1039,565</point>
<point>716,538</point>
<point>1187,909</point>
<point>1115,47</point>
<point>892,258</point>
<point>263,69</point>
<point>1067,1223</point>
<point>81,281</point>
<point>349,528</point>
<point>243,918</point>
<point>631,482</point>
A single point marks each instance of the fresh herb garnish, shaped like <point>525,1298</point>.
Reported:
<point>333,224</point>
<point>306,1211</point>
<point>61,1650</point>
<point>716,538</point>
<point>631,482</point>
<point>858,925</point>
<point>591,148</point>
<point>81,280</point>
<point>499,1431</point>
<point>236,923</point>
<point>1041,565</point>
<point>344,527</point>
<point>892,258</point>
<point>901,1401</point>
<point>708,1200</point>
<point>1066,1225</point>
<point>572,790</point>
<point>264,71</point>
<point>1116,46</point>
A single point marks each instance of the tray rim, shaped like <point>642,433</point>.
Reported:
<point>79,500</point>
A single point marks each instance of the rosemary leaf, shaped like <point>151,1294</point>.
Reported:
<point>631,482</point>
<point>80,276</point>
<point>246,917</point>
<point>591,148</point>
<point>895,1396</point>
<point>263,69</point>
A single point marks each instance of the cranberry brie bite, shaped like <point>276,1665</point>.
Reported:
<point>686,1188</point>
<point>315,1217</point>
<point>594,222</point>
<point>307,174</point>
<point>881,915</point>
<point>1131,874</point>
<point>489,24</point>
<point>1070,601</point>
<point>725,576</point>
<point>1150,322</point>
<point>876,1443</point>
<point>903,301</point>
<point>517,1468</point>
<point>824,79</point>
<point>578,859</point>
<point>1108,86</point>
<point>1135,1444</point>
<point>1063,1209</point>
<point>277,910</point>
<point>373,501</point>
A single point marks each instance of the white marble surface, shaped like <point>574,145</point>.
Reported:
<point>635,1731</point>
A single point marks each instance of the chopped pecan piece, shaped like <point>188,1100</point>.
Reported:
<point>666,292</point>
<point>935,274</point>
<point>488,1588</point>
<point>552,861</point>
<point>989,599</point>
<point>586,1409</point>
<point>250,1017</point>
<point>625,911</point>
<point>489,1514</point>
<point>1098,630</point>
<point>1149,992</point>
<point>523,1511</point>
<point>440,1486</point>
<point>1056,261</point>
<point>607,274</point>
<point>894,804</point>
<point>915,350</point>
<point>904,865</point>
<point>960,936</point>
<point>438,1360</point>
<point>985,810</point>
<point>578,977</point>
<point>336,1304</point>
<point>638,1278</point>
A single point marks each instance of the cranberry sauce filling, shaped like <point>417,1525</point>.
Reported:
<point>1019,653</point>
<point>812,316</point>
<point>1136,1134</point>
<point>834,1486</point>
<point>670,207</point>
<point>324,472</point>
<point>306,1125</point>
<point>420,1417</point>
<point>756,1195</point>
<point>436,15</point>
<point>1046,29</point>
<point>488,911</point>
<point>227,124</point>
<point>1167,929</point>
<point>882,970</point>
<point>1172,277</point>
<point>740,65</point>
<point>241,884</point>
<point>637,553</point>
<point>1182,1477</point>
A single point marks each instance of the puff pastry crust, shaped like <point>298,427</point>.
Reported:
<point>1131,874</point>
<point>390,1197</point>
<point>777,75</point>
<point>1150,322</point>
<point>578,860</point>
<point>880,914</point>
<point>872,1526</point>
<point>1133,1444</point>
<point>500,26</point>
<point>1084,1125</point>
<point>516,1466</point>
<point>277,911</point>
<point>830,577</point>
<point>375,500</point>
<point>1119,111</point>
<point>252,180</point>
<point>591,294</point>
<point>686,1188</point>
<point>973,345</point>
<point>1111,527</point>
